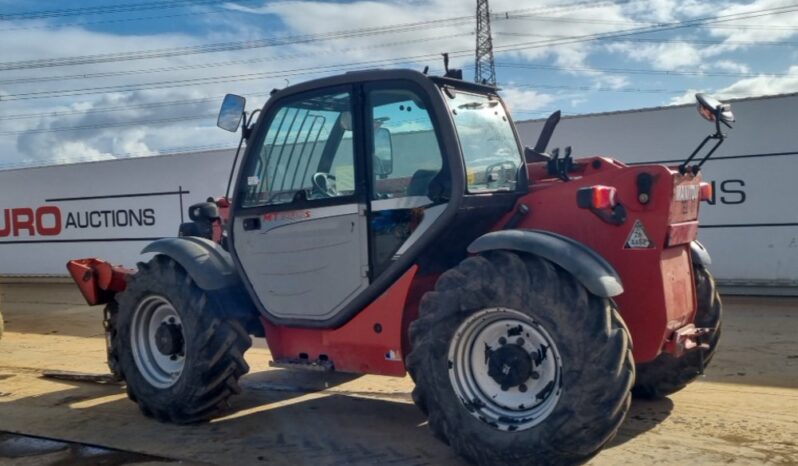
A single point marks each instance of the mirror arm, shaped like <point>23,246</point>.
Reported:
<point>246,130</point>
<point>720,137</point>
<point>233,167</point>
<point>683,166</point>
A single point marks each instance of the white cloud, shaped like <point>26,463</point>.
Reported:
<point>765,28</point>
<point>763,85</point>
<point>525,100</point>
<point>665,56</point>
<point>749,87</point>
<point>732,66</point>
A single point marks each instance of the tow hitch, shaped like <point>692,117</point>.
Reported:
<point>686,339</point>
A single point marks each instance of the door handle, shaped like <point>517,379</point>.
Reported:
<point>252,223</point>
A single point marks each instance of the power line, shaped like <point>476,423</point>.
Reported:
<point>505,48</point>
<point>227,46</point>
<point>600,89</point>
<point>665,41</point>
<point>314,70</point>
<point>120,108</point>
<point>641,71</point>
<point>300,71</point>
<point>110,74</point>
<point>149,122</point>
<point>565,19</point>
<point>645,30</point>
<point>126,155</point>
<point>104,9</point>
<point>344,67</point>
<point>194,117</point>
<point>267,42</point>
<point>123,20</point>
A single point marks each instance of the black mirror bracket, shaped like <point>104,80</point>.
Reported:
<point>719,136</point>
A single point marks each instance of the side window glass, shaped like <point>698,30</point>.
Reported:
<point>408,180</point>
<point>405,154</point>
<point>307,153</point>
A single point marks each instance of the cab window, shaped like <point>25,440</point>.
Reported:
<point>491,153</point>
<point>306,154</point>
<point>406,155</point>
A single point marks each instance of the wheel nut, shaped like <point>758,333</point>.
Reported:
<point>502,341</point>
<point>519,342</point>
<point>535,375</point>
<point>522,388</point>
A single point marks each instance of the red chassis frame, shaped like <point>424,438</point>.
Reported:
<point>658,303</point>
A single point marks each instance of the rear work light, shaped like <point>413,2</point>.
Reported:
<point>596,197</point>
<point>706,191</point>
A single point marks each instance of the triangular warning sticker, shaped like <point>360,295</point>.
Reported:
<point>638,238</point>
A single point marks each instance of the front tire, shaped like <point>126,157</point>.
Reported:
<point>666,374</point>
<point>497,319</point>
<point>177,349</point>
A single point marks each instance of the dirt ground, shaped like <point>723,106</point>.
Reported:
<point>744,411</point>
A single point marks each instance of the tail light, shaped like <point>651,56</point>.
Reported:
<point>705,191</point>
<point>596,197</point>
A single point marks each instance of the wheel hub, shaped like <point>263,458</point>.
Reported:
<point>157,341</point>
<point>509,366</point>
<point>505,368</point>
<point>169,339</point>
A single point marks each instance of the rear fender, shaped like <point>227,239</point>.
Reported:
<point>587,266</point>
<point>208,264</point>
<point>212,269</point>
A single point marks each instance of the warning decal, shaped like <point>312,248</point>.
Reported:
<point>638,238</point>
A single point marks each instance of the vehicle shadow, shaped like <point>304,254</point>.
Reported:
<point>281,417</point>
<point>643,416</point>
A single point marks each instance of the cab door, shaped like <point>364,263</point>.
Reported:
<point>300,232</point>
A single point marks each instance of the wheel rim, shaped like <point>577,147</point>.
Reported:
<point>158,341</point>
<point>505,368</point>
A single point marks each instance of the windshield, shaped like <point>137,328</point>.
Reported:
<point>491,153</point>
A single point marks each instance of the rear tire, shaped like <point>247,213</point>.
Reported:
<point>589,361</point>
<point>666,374</point>
<point>179,351</point>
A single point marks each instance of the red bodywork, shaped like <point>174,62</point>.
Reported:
<point>659,295</point>
<point>658,303</point>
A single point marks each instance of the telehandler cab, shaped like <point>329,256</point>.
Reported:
<point>389,222</point>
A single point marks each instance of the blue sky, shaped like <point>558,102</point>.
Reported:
<point>93,105</point>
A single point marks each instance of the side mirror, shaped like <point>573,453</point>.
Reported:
<point>383,152</point>
<point>231,112</point>
<point>714,110</point>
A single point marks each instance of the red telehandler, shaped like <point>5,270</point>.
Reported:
<point>389,222</point>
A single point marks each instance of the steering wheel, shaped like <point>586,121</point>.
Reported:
<point>325,184</point>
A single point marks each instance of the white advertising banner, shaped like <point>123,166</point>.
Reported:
<point>108,209</point>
